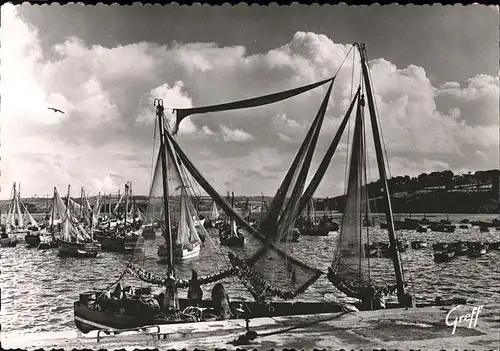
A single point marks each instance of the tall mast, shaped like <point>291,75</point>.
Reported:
<point>396,258</point>
<point>261,206</point>
<point>82,211</point>
<point>53,211</point>
<point>109,207</point>
<point>126,205</point>
<point>166,210</point>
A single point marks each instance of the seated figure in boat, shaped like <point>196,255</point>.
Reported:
<point>220,302</point>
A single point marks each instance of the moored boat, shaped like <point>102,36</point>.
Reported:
<point>418,244</point>
<point>74,239</point>
<point>443,256</point>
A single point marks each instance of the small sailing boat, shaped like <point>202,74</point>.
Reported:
<point>74,239</point>
<point>309,227</point>
<point>215,219</point>
<point>229,233</point>
<point>16,228</point>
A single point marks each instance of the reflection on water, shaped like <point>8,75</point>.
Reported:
<point>39,288</point>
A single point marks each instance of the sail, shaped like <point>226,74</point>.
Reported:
<point>31,220</point>
<point>96,210</point>
<point>187,233</point>
<point>115,210</point>
<point>181,208</point>
<point>215,212</point>
<point>247,103</point>
<point>325,162</point>
<point>70,229</point>
<point>350,263</point>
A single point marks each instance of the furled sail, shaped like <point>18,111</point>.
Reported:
<point>247,103</point>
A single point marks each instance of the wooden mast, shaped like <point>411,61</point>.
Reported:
<point>166,211</point>
<point>396,258</point>
<point>126,207</point>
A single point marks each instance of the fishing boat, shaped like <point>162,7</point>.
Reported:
<point>443,256</point>
<point>124,234</point>
<point>477,249</point>
<point>309,227</point>
<point>74,239</point>
<point>16,226</point>
<point>421,229</point>
<point>349,270</point>
<point>214,220</point>
<point>5,239</point>
<point>418,244</point>
<point>229,233</point>
<point>460,248</point>
<point>187,242</point>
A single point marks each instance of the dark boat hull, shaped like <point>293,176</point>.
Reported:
<point>110,243</point>
<point>32,240</point>
<point>88,319</point>
<point>314,232</point>
<point>78,249</point>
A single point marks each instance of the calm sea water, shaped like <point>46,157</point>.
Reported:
<point>39,288</point>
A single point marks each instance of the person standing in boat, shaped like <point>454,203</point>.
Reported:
<point>171,298</point>
<point>195,294</point>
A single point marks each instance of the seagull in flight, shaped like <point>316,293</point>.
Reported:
<point>55,110</point>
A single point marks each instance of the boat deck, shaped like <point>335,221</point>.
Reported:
<point>423,328</point>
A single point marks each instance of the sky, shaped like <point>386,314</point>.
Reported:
<point>434,71</point>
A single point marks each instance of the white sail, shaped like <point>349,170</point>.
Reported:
<point>215,212</point>
<point>32,220</point>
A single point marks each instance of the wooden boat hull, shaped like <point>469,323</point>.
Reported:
<point>111,243</point>
<point>78,249</point>
<point>476,253</point>
<point>443,256</point>
<point>88,319</point>
<point>32,239</point>
<point>8,242</point>
<point>180,254</point>
<point>314,232</point>
<point>418,245</point>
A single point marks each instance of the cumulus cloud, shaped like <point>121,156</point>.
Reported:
<point>235,134</point>
<point>106,135</point>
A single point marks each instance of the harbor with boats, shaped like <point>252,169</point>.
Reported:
<point>338,252</point>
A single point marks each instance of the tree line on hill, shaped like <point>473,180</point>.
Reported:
<point>437,192</point>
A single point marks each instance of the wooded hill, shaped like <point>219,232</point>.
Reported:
<point>436,192</point>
